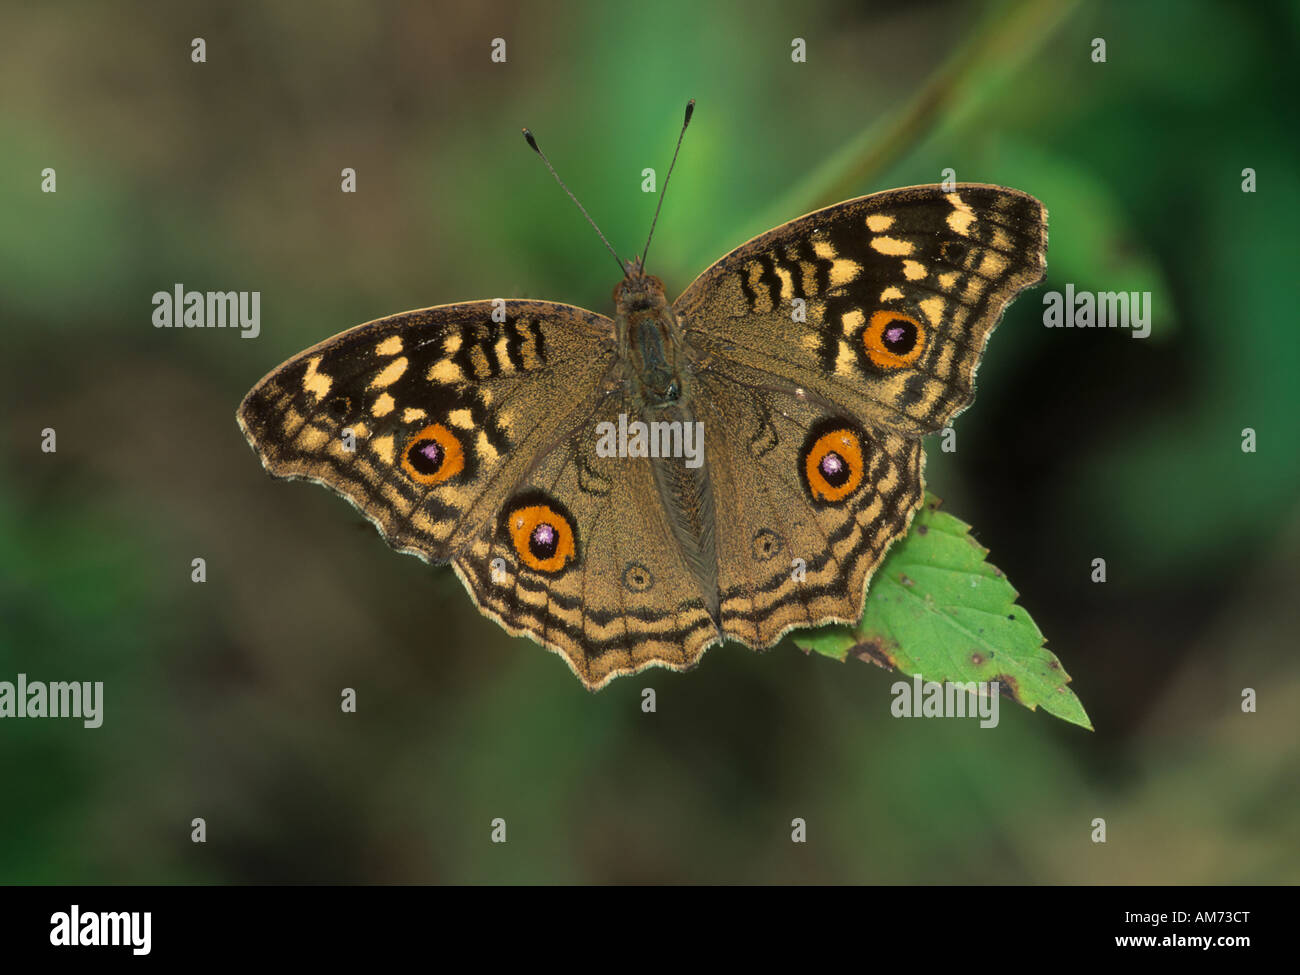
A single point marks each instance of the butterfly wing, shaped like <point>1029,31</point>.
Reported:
<point>582,558</point>
<point>881,305</point>
<point>824,349</point>
<point>426,420</point>
<point>798,542</point>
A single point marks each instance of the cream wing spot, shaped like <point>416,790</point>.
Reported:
<point>944,364</point>
<point>962,216</point>
<point>389,374</point>
<point>383,446</point>
<point>846,362</point>
<point>933,308</point>
<point>411,414</point>
<point>293,420</point>
<point>502,352</point>
<point>312,439</point>
<point>383,405</point>
<point>389,346</point>
<point>461,418</point>
<point>851,321</point>
<point>891,246</point>
<point>993,264</point>
<point>879,222</point>
<point>486,451</point>
<point>913,270</point>
<point>787,282</point>
<point>843,271</point>
<point>445,371</point>
<point>315,382</point>
<point>891,294</point>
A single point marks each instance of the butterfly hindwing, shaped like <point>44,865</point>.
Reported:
<point>582,559</point>
<point>881,305</point>
<point>796,547</point>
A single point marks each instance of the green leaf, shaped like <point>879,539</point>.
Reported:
<point>938,609</point>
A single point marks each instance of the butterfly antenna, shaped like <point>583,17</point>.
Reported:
<point>537,149</point>
<point>690,110</point>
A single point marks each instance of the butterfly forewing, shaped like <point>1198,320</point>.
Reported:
<point>426,420</point>
<point>881,305</point>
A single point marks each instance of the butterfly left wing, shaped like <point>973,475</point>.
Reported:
<point>880,305</point>
<point>425,420</point>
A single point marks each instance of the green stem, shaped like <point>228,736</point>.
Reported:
<point>1008,35</point>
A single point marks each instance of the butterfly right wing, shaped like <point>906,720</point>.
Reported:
<point>880,305</point>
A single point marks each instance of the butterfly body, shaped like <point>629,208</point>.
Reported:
<point>658,371</point>
<point>733,464</point>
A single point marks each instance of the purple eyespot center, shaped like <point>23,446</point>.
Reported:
<point>834,468</point>
<point>899,337</point>
<point>544,540</point>
<point>426,456</point>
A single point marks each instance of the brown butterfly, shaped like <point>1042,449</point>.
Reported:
<point>630,491</point>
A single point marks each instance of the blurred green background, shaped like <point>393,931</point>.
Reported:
<point>222,699</point>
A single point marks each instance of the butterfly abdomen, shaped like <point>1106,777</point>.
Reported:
<point>687,498</point>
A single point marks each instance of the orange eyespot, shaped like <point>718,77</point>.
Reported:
<point>833,465</point>
<point>893,340</point>
<point>542,535</point>
<point>433,455</point>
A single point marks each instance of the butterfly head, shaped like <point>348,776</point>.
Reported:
<point>638,291</point>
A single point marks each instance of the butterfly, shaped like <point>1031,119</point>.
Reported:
<point>630,491</point>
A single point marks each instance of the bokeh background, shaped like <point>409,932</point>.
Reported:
<point>222,699</point>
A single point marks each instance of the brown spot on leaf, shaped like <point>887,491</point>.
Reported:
<point>1008,686</point>
<point>1054,664</point>
<point>977,658</point>
<point>875,652</point>
<point>922,529</point>
<point>905,580</point>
